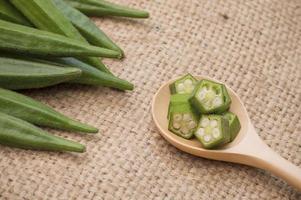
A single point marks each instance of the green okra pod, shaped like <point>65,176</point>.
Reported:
<point>93,76</point>
<point>21,39</point>
<point>18,133</point>
<point>86,27</point>
<point>34,112</point>
<point>46,16</point>
<point>9,13</point>
<point>16,73</point>
<point>105,8</point>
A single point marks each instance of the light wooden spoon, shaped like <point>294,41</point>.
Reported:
<point>247,148</point>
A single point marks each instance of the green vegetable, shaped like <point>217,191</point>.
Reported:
<point>30,110</point>
<point>16,73</point>
<point>210,97</point>
<point>212,131</point>
<point>21,39</point>
<point>11,14</point>
<point>86,27</point>
<point>45,16</point>
<point>93,76</point>
<point>15,132</point>
<point>177,99</point>
<point>104,8</point>
<point>182,120</point>
<point>184,85</point>
<point>234,124</point>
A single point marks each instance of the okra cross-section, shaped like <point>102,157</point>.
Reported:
<point>210,97</point>
<point>212,131</point>
<point>234,124</point>
<point>184,85</point>
<point>182,120</point>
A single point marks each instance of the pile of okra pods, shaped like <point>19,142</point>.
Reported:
<point>48,42</point>
<point>200,109</point>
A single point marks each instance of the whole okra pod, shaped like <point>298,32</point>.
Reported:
<point>86,27</point>
<point>93,76</point>
<point>9,13</point>
<point>46,16</point>
<point>32,111</point>
<point>17,73</point>
<point>105,8</point>
<point>21,39</point>
<point>18,133</point>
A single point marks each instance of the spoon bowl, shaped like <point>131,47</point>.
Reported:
<point>247,148</point>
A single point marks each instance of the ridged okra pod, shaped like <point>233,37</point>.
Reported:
<point>34,112</point>
<point>234,124</point>
<point>46,16</point>
<point>18,133</point>
<point>86,27</point>
<point>105,8</point>
<point>26,40</point>
<point>184,85</point>
<point>182,120</point>
<point>16,73</point>
<point>9,13</point>
<point>210,97</point>
<point>212,131</point>
<point>93,76</point>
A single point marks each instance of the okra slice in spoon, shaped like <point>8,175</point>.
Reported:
<point>247,148</point>
<point>210,97</point>
<point>183,85</point>
<point>183,120</point>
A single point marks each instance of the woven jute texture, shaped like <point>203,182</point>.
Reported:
<point>253,46</point>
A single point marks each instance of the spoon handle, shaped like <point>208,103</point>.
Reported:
<point>254,152</point>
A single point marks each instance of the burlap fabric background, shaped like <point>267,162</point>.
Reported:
<point>254,46</point>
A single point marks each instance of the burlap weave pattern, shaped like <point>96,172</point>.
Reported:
<point>254,46</point>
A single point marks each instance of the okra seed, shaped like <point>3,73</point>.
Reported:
<point>202,94</point>
<point>177,117</point>
<point>176,125</point>
<point>217,101</point>
<point>191,125</point>
<point>187,117</point>
<point>181,87</point>
<point>184,130</point>
<point>188,82</point>
<point>200,132</point>
<point>213,123</point>
<point>216,133</point>
<point>205,122</point>
<point>207,138</point>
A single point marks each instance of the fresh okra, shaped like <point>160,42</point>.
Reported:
<point>210,97</point>
<point>234,124</point>
<point>46,16</point>
<point>105,8</point>
<point>32,111</point>
<point>11,14</point>
<point>182,120</point>
<point>212,131</point>
<point>177,99</point>
<point>16,73</point>
<point>184,85</point>
<point>18,133</point>
<point>93,76</point>
<point>86,27</point>
<point>27,40</point>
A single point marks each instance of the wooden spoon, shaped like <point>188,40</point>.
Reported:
<point>247,148</point>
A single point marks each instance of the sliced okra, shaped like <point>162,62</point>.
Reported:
<point>184,85</point>
<point>234,124</point>
<point>210,97</point>
<point>177,99</point>
<point>212,131</point>
<point>182,120</point>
